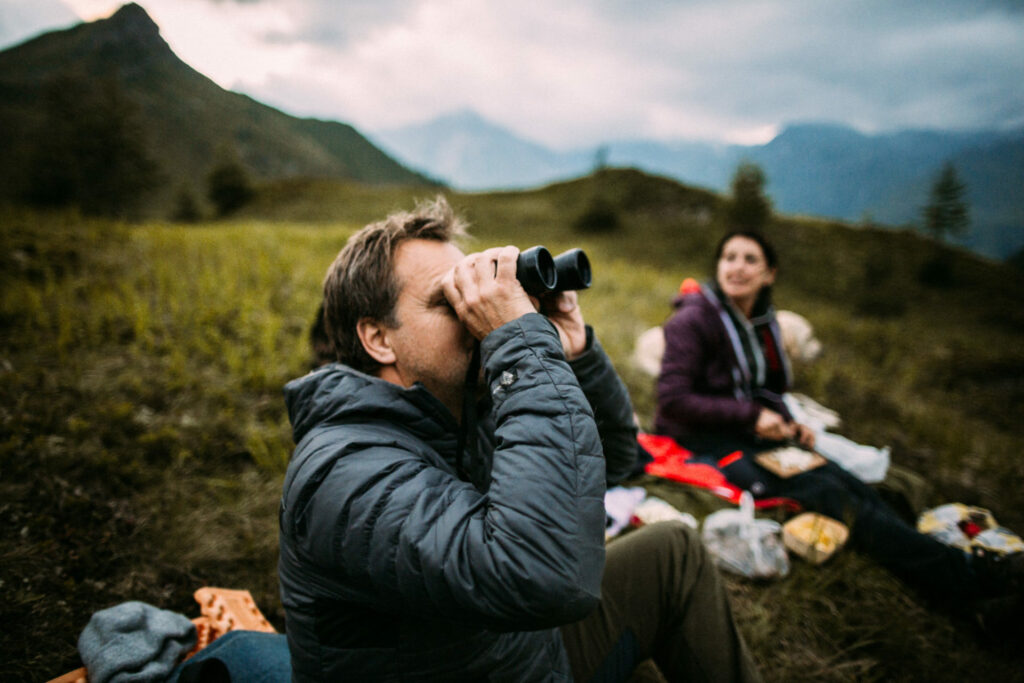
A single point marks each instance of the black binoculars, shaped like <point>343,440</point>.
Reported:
<point>540,273</point>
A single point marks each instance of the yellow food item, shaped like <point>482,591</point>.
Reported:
<point>813,535</point>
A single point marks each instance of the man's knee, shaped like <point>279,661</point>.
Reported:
<point>673,540</point>
<point>672,531</point>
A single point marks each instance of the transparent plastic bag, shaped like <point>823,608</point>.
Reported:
<point>969,528</point>
<point>745,545</point>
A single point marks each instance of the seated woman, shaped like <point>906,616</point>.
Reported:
<point>720,391</point>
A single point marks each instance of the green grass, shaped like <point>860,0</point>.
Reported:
<point>143,436</point>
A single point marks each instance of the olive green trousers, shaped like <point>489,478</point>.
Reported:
<point>661,599</point>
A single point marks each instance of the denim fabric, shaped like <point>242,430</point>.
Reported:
<point>246,656</point>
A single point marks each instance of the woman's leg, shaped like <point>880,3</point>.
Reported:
<point>875,529</point>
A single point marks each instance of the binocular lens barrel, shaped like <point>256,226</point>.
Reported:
<point>573,270</point>
<point>539,273</point>
<point>535,270</point>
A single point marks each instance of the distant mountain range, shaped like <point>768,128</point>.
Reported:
<point>184,115</point>
<point>185,118</point>
<point>818,169</point>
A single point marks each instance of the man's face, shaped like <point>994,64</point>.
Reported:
<point>430,344</point>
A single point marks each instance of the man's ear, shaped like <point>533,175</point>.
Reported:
<point>375,340</point>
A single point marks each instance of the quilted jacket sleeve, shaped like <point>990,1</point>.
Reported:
<point>407,535</point>
<point>612,407</point>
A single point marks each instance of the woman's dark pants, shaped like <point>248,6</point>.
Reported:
<point>876,530</point>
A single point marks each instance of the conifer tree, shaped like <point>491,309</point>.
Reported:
<point>947,213</point>
<point>749,208</point>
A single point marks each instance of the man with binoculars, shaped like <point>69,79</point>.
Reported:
<point>400,559</point>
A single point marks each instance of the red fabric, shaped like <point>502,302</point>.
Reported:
<point>969,528</point>
<point>688,286</point>
<point>771,353</point>
<point>672,461</point>
<point>730,459</point>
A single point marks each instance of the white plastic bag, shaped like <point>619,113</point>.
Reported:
<point>744,545</point>
<point>867,463</point>
<point>619,504</point>
<point>653,509</point>
<point>807,411</point>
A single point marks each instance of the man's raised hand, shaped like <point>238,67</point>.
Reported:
<point>484,291</point>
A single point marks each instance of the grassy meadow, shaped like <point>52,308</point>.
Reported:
<point>143,437</point>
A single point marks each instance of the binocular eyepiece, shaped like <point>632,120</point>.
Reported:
<point>540,273</point>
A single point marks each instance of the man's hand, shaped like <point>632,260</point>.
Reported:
<point>563,310</point>
<point>484,291</point>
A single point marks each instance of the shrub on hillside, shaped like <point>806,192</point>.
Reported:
<point>879,297</point>
<point>186,206</point>
<point>936,272</point>
<point>229,186</point>
<point>599,216</point>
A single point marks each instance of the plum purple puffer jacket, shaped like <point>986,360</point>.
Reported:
<point>699,388</point>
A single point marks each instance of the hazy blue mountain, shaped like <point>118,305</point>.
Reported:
<point>695,163</point>
<point>993,169</point>
<point>472,153</point>
<point>836,171</point>
<point>814,168</point>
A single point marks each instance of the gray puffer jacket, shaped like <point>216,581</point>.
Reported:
<point>392,568</point>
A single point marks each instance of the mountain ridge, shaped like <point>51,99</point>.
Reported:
<point>188,119</point>
<point>827,169</point>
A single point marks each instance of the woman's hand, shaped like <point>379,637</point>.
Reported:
<point>772,426</point>
<point>804,436</point>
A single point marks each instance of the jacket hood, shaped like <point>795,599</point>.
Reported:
<point>690,298</point>
<point>763,308</point>
<point>337,393</point>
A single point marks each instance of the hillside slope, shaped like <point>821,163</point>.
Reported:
<point>187,119</point>
<point>143,437</point>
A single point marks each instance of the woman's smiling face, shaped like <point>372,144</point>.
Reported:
<point>743,271</point>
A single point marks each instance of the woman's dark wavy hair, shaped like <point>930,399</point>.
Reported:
<point>770,255</point>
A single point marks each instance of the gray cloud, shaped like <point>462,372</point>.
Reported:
<point>336,23</point>
<point>579,71</point>
<point>874,64</point>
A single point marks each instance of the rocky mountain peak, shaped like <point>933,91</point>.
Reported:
<point>130,28</point>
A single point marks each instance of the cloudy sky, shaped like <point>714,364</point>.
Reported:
<point>578,72</point>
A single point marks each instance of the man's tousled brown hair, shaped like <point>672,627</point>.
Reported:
<point>361,282</point>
